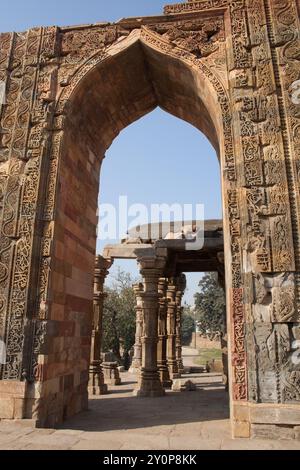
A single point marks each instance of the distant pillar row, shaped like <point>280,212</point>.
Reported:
<point>162,363</point>
<point>158,349</point>
<point>181,286</point>
<point>171,329</point>
<point>160,306</point>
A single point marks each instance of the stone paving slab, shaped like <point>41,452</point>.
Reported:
<point>180,421</point>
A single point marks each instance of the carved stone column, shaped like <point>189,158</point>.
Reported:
<point>171,330</point>
<point>181,286</point>
<point>162,335</point>
<point>149,382</point>
<point>96,379</point>
<point>137,358</point>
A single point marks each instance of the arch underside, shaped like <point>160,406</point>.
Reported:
<point>132,83</point>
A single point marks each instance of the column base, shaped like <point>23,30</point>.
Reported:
<point>96,384</point>
<point>175,376</point>
<point>167,383</point>
<point>164,376</point>
<point>149,385</point>
<point>134,370</point>
<point>173,370</point>
<point>96,390</point>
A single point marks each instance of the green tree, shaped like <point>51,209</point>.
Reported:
<point>119,318</point>
<point>210,306</point>
<point>187,325</point>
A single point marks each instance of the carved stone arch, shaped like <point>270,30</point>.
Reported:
<point>219,130</point>
<point>152,40</point>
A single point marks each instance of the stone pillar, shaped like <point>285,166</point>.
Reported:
<point>171,330</point>
<point>162,364</point>
<point>137,358</point>
<point>181,286</point>
<point>96,379</point>
<point>149,382</point>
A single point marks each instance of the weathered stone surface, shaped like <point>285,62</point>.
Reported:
<point>183,386</point>
<point>270,431</point>
<point>111,373</point>
<point>280,415</point>
<point>7,408</point>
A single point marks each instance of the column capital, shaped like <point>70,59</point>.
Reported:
<point>153,273</point>
<point>147,258</point>
<point>102,266</point>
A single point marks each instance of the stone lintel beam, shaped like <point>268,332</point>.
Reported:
<point>123,251</point>
<point>210,243</point>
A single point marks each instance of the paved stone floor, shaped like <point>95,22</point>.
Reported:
<point>179,421</point>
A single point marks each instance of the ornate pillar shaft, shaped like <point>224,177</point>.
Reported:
<point>162,335</point>
<point>171,330</point>
<point>96,379</point>
<point>137,357</point>
<point>149,383</point>
<point>178,299</point>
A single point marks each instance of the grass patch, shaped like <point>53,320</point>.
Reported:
<point>208,355</point>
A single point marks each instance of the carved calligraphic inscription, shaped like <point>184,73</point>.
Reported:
<point>194,6</point>
<point>239,352</point>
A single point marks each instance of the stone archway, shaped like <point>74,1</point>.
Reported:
<point>229,68</point>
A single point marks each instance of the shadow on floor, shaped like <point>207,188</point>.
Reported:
<point>110,412</point>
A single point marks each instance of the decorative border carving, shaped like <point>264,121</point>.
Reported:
<point>194,6</point>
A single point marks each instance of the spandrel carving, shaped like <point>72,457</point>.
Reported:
<point>200,38</point>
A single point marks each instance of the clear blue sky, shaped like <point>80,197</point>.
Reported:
<point>18,15</point>
<point>159,159</point>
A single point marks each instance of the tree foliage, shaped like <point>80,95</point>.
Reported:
<point>210,306</point>
<point>119,317</point>
<point>187,325</point>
